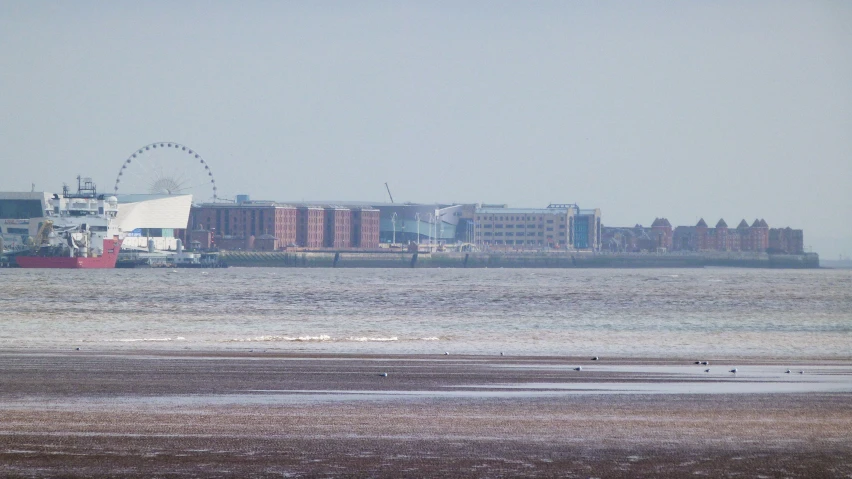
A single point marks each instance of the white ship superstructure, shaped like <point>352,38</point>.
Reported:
<point>87,217</point>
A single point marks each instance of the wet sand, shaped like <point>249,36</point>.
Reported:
<point>265,414</point>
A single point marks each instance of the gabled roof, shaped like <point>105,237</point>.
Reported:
<point>763,223</point>
<point>701,223</point>
<point>743,224</point>
<point>661,222</point>
<point>756,224</point>
<point>721,224</point>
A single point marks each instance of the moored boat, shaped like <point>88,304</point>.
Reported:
<point>78,231</point>
<point>105,260</point>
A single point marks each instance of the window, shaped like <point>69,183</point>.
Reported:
<point>498,234</point>
<point>510,226</point>
<point>510,234</point>
<point>487,233</point>
<point>550,221</point>
<point>549,229</point>
<point>488,226</point>
<point>562,227</point>
<point>498,226</point>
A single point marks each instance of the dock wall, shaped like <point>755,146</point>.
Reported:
<point>345,259</point>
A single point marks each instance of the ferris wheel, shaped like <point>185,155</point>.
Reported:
<point>167,168</point>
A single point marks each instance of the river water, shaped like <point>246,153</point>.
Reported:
<point>707,313</point>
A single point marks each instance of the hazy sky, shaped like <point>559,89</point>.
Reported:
<point>675,109</point>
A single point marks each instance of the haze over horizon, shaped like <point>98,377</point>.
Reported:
<point>679,110</point>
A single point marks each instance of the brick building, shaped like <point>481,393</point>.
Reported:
<point>786,241</point>
<point>310,227</point>
<point>236,223</point>
<point>338,227</point>
<point>745,237</point>
<point>365,228</point>
<point>661,234</point>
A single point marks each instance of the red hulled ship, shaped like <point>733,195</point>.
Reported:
<point>77,232</point>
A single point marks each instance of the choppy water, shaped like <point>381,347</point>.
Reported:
<point>657,313</point>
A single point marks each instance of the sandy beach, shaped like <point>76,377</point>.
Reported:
<point>262,414</point>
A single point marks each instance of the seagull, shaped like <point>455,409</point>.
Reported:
<point>595,358</point>
<point>501,353</point>
<point>801,372</point>
<point>706,363</point>
<point>697,362</point>
<point>384,375</point>
<point>578,368</point>
<point>787,371</point>
<point>446,353</point>
<point>734,370</point>
<point>706,370</point>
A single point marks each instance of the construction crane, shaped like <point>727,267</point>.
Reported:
<point>389,193</point>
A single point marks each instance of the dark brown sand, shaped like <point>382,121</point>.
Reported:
<point>90,414</point>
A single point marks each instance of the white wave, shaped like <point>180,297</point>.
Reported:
<point>135,340</point>
<point>321,337</point>
<point>365,339</point>
<point>326,338</point>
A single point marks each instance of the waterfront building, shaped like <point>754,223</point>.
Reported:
<point>754,237</point>
<point>786,241</point>
<point>365,227</point>
<point>338,229</point>
<point>559,226</point>
<point>661,234</point>
<point>310,227</point>
<point>237,226</point>
<point>656,238</point>
<point>268,225</point>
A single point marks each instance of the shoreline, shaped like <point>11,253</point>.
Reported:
<point>226,414</point>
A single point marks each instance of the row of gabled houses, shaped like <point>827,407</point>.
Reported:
<point>660,236</point>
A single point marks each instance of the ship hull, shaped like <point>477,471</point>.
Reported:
<point>105,261</point>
